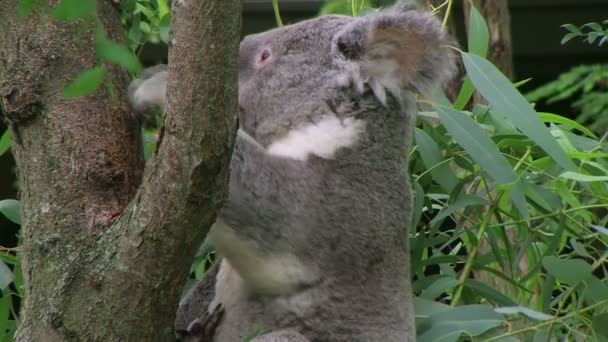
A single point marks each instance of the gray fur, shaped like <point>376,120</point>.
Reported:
<point>318,244</point>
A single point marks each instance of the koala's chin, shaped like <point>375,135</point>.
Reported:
<point>313,237</point>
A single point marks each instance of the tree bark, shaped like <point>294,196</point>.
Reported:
<point>105,251</point>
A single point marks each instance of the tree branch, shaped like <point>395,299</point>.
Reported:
<point>93,269</point>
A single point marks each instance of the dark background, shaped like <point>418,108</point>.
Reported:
<point>536,35</point>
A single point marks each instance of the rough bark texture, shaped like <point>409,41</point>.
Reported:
<point>104,256</point>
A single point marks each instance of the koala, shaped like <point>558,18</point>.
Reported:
<point>314,236</point>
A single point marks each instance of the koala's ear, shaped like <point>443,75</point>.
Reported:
<point>396,49</point>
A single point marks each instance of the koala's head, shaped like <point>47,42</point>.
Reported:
<point>287,76</point>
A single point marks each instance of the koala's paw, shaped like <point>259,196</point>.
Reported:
<point>148,92</point>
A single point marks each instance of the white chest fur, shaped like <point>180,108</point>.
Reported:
<point>322,139</point>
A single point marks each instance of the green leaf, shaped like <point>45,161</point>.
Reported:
<point>595,27</point>
<point>500,93</point>
<point>558,119</point>
<point>489,293</point>
<point>572,28</point>
<point>72,10</point>
<point>431,156</point>
<point>482,149</point>
<point>418,203</point>
<point>10,209</point>
<point>568,37</point>
<point>465,94</point>
<point>449,325</point>
<point>439,286</point>
<point>6,276</point>
<point>116,53</point>
<point>479,35</point>
<point>165,28</point>
<point>26,7</point>
<point>5,142</point>
<point>580,249</point>
<point>461,202</point>
<point>600,324</point>
<point>539,316</point>
<point>579,177</point>
<point>163,8</point>
<point>570,271</point>
<point>5,313</point>
<point>425,308</point>
<point>86,82</point>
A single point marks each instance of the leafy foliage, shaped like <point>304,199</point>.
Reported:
<point>146,21</point>
<point>588,83</point>
<point>590,32</point>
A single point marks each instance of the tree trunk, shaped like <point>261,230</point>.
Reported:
<point>105,251</point>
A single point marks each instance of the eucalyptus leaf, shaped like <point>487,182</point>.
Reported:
<point>438,287</point>
<point>72,10</point>
<point>5,142</point>
<point>483,150</point>
<point>116,53</point>
<point>86,82</point>
<point>6,276</point>
<point>580,177</point>
<point>539,316</point>
<point>432,157</point>
<point>504,97</point>
<point>472,320</point>
<point>570,271</point>
<point>10,209</point>
<point>479,35</point>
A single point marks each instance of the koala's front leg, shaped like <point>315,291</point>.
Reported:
<point>263,228</point>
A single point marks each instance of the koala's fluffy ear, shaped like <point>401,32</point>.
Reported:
<point>396,49</point>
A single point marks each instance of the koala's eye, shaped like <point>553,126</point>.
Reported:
<point>265,55</point>
<point>342,47</point>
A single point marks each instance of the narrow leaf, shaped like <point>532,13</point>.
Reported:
<point>86,82</point>
<point>116,53</point>
<point>579,177</point>
<point>431,156</point>
<point>10,209</point>
<point>572,28</point>
<point>72,10</point>
<point>483,150</point>
<point>570,271</point>
<point>558,119</point>
<point>524,311</point>
<point>460,203</point>
<point>5,142</point>
<point>6,276</point>
<point>500,93</point>
<point>479,35</point>
<point>568,37</point>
